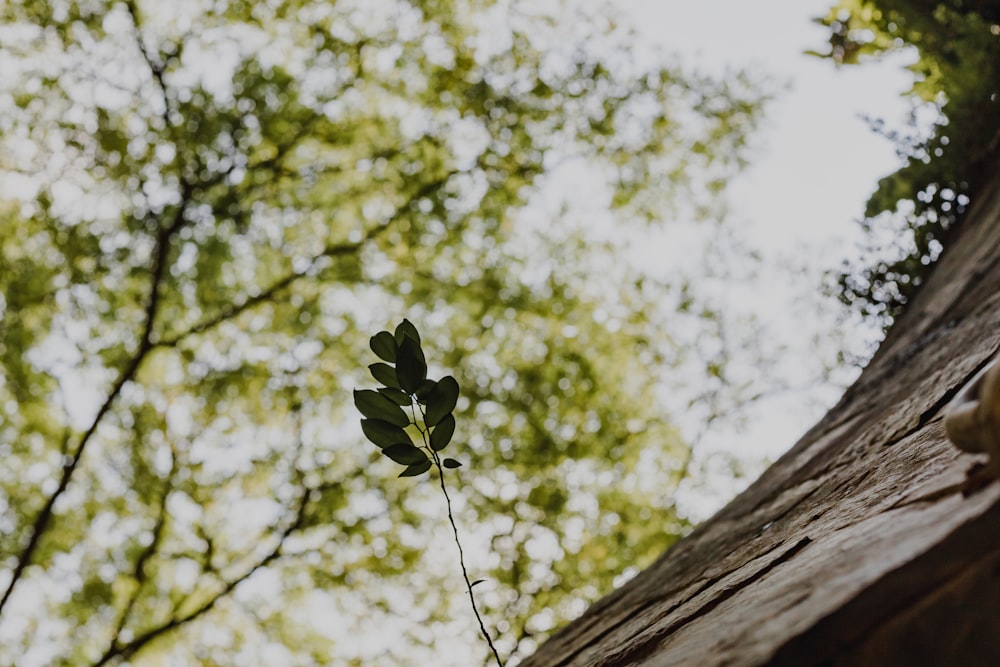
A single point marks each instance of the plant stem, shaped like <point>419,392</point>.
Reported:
<point>461,560</point>
<point>454,528</point>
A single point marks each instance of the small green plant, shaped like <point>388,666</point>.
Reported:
<point>405,386</point>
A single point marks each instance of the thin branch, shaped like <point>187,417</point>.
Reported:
<point>126,651</point>
<point>139,572</point>
<point>71,462</point>
<point>162,249</point>
<point>155,67</point>
<point>230,311</point>
<point>146,344</point>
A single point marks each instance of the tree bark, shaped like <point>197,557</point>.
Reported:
<point>863,545</point>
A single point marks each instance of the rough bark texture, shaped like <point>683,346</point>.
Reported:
<point>858,546</point>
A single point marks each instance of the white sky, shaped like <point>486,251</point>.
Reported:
<point>819,160</point>
<point>816,165</point>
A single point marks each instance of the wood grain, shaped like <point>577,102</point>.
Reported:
<point>862,545</point>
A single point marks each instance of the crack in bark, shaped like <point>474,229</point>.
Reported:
<point>631,653</point>
<point>635,652</point>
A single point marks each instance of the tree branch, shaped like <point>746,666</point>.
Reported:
<point>126,651</point>
<point>232,310</point>
<point>72,461</point>
<point>155,67</point>
<point>333,250</point>
<point>139,572</point>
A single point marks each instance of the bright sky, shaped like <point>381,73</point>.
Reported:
<point>820,159</point>
<point>818,162</point>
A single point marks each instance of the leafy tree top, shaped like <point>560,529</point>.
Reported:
<point>207,207</point>
<point>956,73</point>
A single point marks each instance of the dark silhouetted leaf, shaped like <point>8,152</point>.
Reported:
<point>405,454</point>
<point>441,435</point>
<point>376,406</point>
<point>451,463</point>
<point>424,390</point>
<point>476,582</point>
<point>441,401</point>
<point>411,369</point>
<point>397,396</point>
<point>406,329</point>
<point>416,469</point>
<point>384,434</point>
<point>384,345</point>
<point>385,374</point>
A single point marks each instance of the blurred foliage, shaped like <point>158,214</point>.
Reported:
<point>206,206</point>
<point>957,75</point>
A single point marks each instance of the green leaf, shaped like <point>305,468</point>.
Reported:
<point>441,435</point>
<point>405,454</point>
<point>397,396</point>
<point>384,346</point>
<point>376,406</point>
<point>407,330</point>
<point>416,469</point>
<point>383,434</point>
<point>441,401</point>
<point>424,390</point>
<point>385,374</point>
<point>411,369</point>
<point>451,463</point>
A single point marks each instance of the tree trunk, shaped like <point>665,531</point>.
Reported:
<point>858,546</point>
